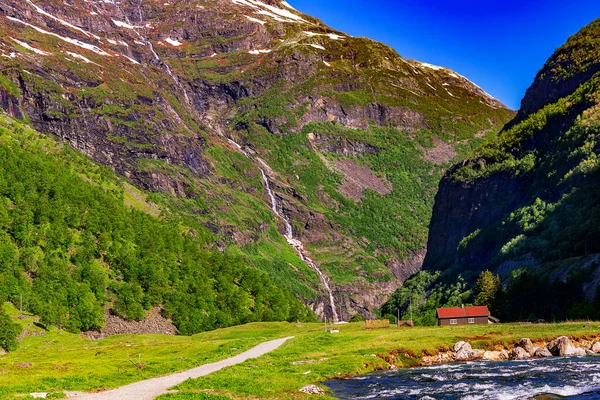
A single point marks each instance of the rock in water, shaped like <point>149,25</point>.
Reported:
<point>312,389</point>
<point>579,352</point>
<point>495,355</point>
<point>519,353</point>
<point>542,352</point>
<point>561,346</point>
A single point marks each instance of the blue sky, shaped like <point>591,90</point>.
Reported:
<point>500,45</point>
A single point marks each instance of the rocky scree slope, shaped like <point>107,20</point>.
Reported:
<point>529,197</point>
<point>352,138</point>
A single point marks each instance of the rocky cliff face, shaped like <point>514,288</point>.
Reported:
<point>157,89</point>
<point>527,198</point>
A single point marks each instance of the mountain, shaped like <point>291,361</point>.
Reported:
<point>313,155</point>
<point>528,199</point>
<point>75,237</point>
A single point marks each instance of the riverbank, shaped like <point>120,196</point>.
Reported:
<point>57,361</point>
<point>318,357</point>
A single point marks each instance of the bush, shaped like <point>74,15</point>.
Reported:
<point>357,318</point>
<point>9,331</point>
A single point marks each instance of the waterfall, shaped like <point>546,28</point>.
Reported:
<point>289,235</point>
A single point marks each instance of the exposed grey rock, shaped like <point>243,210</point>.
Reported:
<point>595,348</point>
<point>464,352</point>
<point>527,345</point>
<point>542,352</point>
<point>477,354</point>
<point>312,389</point>
<point>458,346</point>
<point>495,355</point>
<point>580,352</point>
<point>561,346</point>
<point>519,353</point>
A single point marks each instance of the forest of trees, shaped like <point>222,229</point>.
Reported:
<point>523,296</point>
<point>69,247</point>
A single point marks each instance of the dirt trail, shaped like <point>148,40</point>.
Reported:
<point>152,388</point>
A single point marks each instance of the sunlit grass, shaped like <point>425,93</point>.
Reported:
<point>57,361</point>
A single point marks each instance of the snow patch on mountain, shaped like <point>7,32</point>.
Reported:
<point>257,52</point>
<point>332,36</point>
<point>133,61</point>
<point>28,47</point>
<point>258,21</point>
<point>430,66</point>
<point>125,25</point>
<point>80,57</point>
<point>65,23</point>
<point>75,42</point>
<point>278,14</point>
<point>173,42</point>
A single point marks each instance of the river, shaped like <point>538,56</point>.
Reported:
<point>551,378</point>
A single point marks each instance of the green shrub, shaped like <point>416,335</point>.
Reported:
<point>9,331</point>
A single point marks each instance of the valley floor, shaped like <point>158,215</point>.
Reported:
<point>56,361</point>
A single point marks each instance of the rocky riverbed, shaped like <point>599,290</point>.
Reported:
<point>548,378</point>
<point>523,350</point>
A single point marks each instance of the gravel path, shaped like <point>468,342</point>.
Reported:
<point>152,388</point>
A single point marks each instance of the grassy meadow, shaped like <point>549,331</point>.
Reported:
<point>55,361</point>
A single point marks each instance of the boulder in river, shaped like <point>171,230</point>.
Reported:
<point>519,353</point>
<point>580,351</point>
<point>561,346</point>
<point>542,352</point>
<point>495,355</point>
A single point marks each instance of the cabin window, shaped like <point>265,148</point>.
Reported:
<point>471,320</point>
<point>453,322</point>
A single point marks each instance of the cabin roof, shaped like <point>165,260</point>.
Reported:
<point>463,312</point>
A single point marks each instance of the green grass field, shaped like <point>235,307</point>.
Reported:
<point>55,361</point>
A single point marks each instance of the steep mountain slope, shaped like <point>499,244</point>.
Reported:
<point>74,239</point>
<point>258,121</point>
<point>530,196</point>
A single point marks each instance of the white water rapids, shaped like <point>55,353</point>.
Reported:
<point>289,235</point>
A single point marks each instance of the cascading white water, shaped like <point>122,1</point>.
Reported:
<point>289,236</point>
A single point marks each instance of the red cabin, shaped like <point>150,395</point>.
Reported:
<point>470,315</point>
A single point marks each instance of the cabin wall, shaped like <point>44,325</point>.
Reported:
<point>464,321</point>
